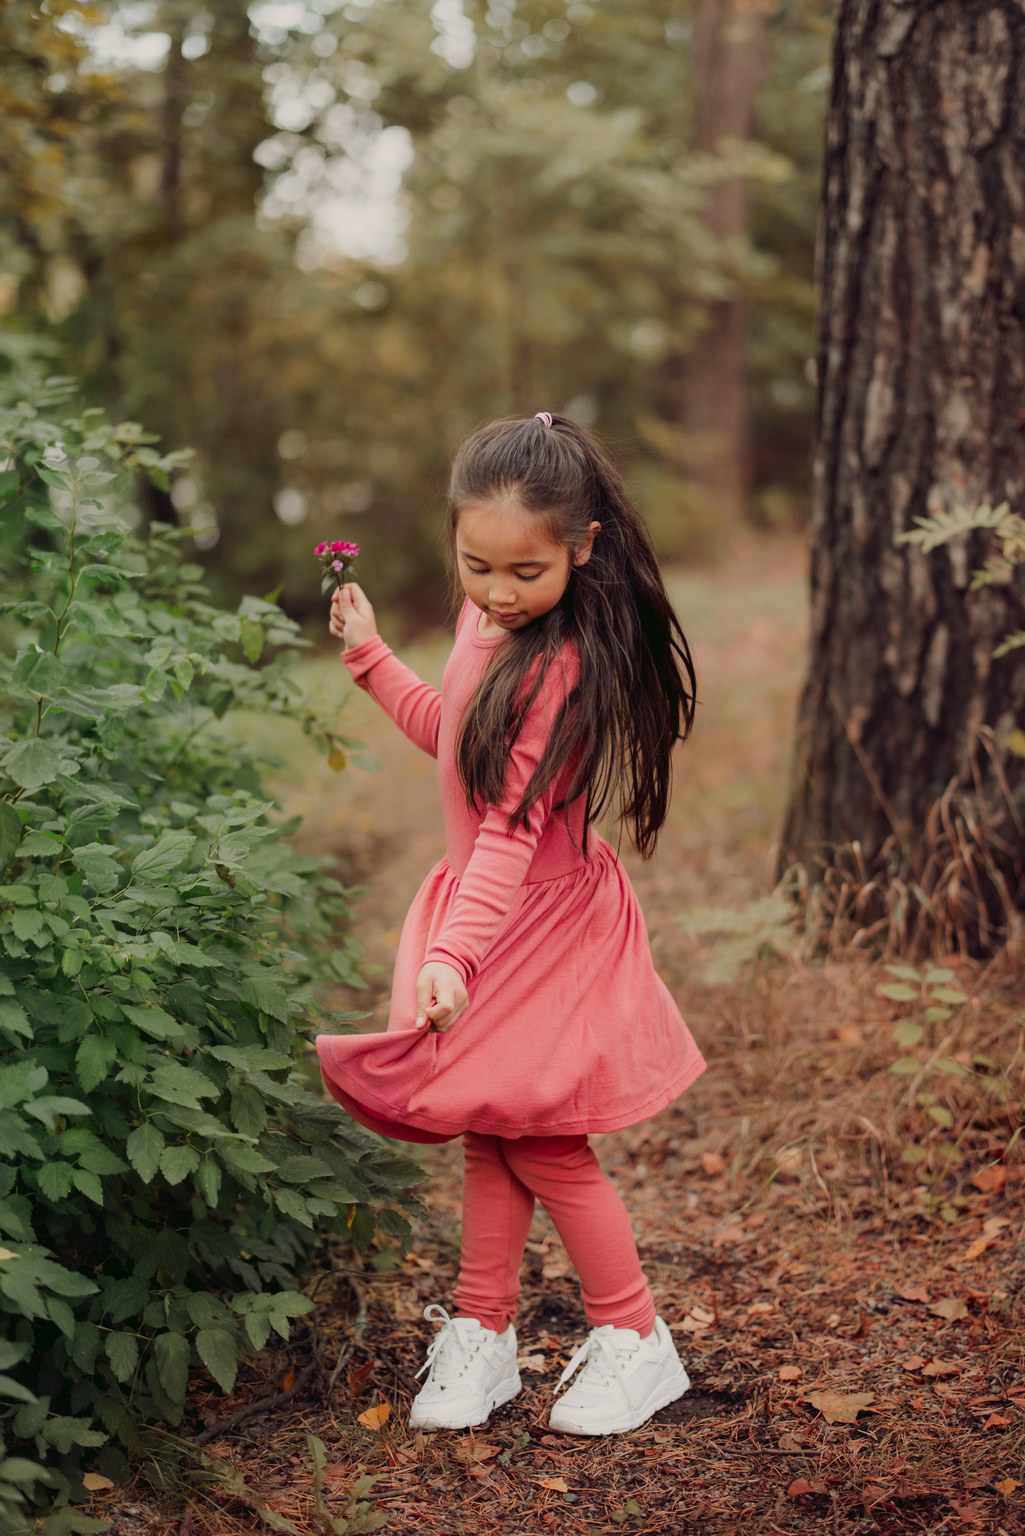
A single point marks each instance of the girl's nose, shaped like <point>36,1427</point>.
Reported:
<point>501,597</point>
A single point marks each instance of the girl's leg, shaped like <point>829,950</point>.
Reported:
<point>564,1174</point>
<point>497,1210</point>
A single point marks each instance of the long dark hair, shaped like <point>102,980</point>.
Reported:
<point>635,695</point>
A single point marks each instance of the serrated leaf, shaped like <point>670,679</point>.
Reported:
<point>93,1060</point>
<point>144,1147</point>
<point>55,1180</point>
<point>176,1163</point>
<point>170,852</point>
<point>10,832</point>
<point>218,1350</point>
<point>31,764</point>
<point>171,1354</point>
<point>122,1350</point>
<point>89,1184</point>
<point>841,1407</point>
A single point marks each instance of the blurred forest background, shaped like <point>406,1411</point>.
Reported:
<point>318,242</point>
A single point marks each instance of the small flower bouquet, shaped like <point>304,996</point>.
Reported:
<point>337,559</point>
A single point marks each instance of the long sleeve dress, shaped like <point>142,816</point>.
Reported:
<point>568,1027</point>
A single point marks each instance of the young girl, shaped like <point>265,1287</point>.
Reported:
<point>526,1011</point>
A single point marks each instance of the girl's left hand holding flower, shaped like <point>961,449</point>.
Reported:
<point>352,616</point>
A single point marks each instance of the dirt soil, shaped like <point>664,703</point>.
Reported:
<point>856,1357</point>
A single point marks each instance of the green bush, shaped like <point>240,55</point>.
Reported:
<point>167,1169</point>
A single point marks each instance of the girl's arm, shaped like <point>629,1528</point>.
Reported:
<point>500,858</point>
<point>413,704</point>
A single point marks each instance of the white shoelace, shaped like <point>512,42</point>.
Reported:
<point>449,1352</point>
<point>601,1359</point>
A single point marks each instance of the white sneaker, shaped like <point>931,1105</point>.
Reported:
<point>471,1370</point>
<point>624,1381</point>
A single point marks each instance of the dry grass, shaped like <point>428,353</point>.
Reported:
<point>792,1248</point>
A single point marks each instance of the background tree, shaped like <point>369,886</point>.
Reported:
<point>905,786</point>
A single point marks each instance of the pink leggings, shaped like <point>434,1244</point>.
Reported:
<point>502,1179</point>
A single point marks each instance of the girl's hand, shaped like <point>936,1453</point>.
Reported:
<point>440,996</point>
<point>352,617</point>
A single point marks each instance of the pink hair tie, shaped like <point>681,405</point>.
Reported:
<point>545,416</point>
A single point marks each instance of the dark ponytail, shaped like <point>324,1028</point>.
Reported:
<point>635,695</point>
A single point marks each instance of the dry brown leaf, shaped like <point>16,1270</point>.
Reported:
<point>1007,1485</point>
<point>991,1229</point>
<point>841,1407</point>
<point>942,1368</point>
<point>358,1377</point>
<point>733,1232</point>
<point>712,1163</point>
<point>96,1482</point>
<point>991,1178</point>
<point>532,1363</point>
<point>913,1362</point>
<point>849,1034</point>
<point>472,1451</point>
<point>797,1487</point>
<point>790,1372</point>
<point>914,1293</point>
<point>376,1417</point>
<point>698,1320</point>
<point>287,1381</point>
<point>872,1494</point>
<point>950,1307</point>
<point>554,1484</point>
<point>996,1421</point>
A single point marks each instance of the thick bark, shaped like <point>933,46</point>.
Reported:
<point>921,367</point>
<point>728,54</point>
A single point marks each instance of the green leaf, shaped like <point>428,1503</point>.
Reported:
<point>144,1147</point>
<point>89,1184</point>
<point>952,1068</point>
<point>171,1353</point>
<point>55,1180</point>
<point>169,852</point>
<point>177,1163</point>
<point>207,1311</point>
<point>31,764</point>
<point>155,1022</point>
<point>14,1018</point>
<point>293,1205</point>
<point>905,1066</point>
<point>949,995</point>
<point>899,992</point>
<point>101,871</point>
<point>178,1085</point>
<point>123,1353</point>
<point>218,1350</point>
<point>941,1115</point>
<point>208,1181</point>
<point>238,1154</point>
<point>10,832</point>
<point>907,1032</point>
<point>93,1060</point>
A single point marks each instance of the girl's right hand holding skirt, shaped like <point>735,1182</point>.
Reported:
<point>352,616</point>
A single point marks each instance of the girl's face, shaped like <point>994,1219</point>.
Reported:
<point>508,566</point>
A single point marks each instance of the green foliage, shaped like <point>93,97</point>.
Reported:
<point>925,1043</point>
<point>764,927</point>
<point>358,1517</point>
<point>167,1169</point>
<point>1008,528</point>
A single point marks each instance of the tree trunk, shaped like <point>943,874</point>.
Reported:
<point>728,52</point>
<point>905,793</point>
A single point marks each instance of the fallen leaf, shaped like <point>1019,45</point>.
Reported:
<point>96,1483</point>
<point>848,1034</point>
<point>476,1450</point>
<point>914,1362</point>
<point>1007,1485</point>
<point>532,1363</point>
<point>790,1372</point>
<point>287,1381</point>
<point>991,1229</point>
<point>733,1232</point>
<point>698,1320</point>
<point>872,1494</point>
<point>950,1307</point>
<point>914,1293</point>
<point>713,1162</point>
<point>797,1487</point>
<point>554,1484</point>
<point>358,1377</point>
<point>990,1178</point>
<point>762,1308</point>
<point>996,1421</point>
<point>841,1407</point>
<point>376,1417</point>
<point>942,1368</point>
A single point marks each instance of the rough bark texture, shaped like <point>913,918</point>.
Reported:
<point>921,367</point>
<point>728,55</point>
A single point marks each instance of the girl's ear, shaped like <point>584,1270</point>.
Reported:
<point>583,554</point>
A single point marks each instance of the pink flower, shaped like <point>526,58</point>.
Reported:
<point>336,565</point>
<point>320,549</point>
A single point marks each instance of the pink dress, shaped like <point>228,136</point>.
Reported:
<point>569,1028</point>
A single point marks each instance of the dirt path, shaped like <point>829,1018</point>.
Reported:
<point>857,1362</point>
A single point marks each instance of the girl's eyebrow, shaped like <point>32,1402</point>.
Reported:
<point>468,555</point>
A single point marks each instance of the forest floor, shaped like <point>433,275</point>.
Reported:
<point>838,1249</point>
